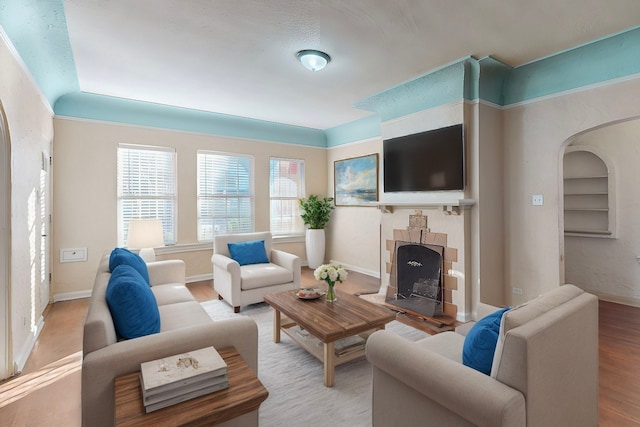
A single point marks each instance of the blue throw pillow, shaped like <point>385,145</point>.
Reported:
<point>252,252</point>
<point>480,342</point>
<point>123,256</point>
<point>133,306</point>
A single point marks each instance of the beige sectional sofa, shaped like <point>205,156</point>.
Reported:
<point>185,326</point>
<point>544,372</point>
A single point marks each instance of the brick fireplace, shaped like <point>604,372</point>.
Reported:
<point>422,282</point>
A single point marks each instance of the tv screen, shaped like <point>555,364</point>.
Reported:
<point>426,161</point>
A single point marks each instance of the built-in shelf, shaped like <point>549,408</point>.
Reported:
<point>587,232</point>
<point>588,207</point>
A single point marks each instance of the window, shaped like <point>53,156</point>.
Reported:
<point>286,187</point>
<point>146,188</point>
<point>225,194</point>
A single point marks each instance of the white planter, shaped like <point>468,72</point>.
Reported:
<point>314,243</point>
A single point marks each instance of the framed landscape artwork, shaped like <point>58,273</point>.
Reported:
<point>356,181</point>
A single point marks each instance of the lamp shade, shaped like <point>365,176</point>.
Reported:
<point>145,234</point>
<point>313,60</point>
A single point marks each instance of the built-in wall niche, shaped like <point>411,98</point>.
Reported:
<point>589,208</point>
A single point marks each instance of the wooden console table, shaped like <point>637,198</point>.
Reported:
<point>244,395</point>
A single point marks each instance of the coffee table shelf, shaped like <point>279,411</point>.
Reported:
<point>315,346</point>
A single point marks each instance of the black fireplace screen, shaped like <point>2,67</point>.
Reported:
<point>416,278</point>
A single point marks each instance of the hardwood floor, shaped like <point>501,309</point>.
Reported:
<point>47,392</point>
<point>619,365</point>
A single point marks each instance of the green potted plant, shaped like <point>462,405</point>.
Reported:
<point>315,213</point>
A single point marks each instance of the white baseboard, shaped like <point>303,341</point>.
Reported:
<point>24,353</point>
<point>633,302</point>
<point>357,269</point>
<point>464,317</point>
<point>67,296</point>
<point>199,278</point>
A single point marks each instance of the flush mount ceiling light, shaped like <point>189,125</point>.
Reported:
<point>313,60</point>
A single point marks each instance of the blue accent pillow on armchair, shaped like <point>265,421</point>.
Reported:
<point>480,342</point>
<point>133,306</point>
<point>252,252</point>
<point>123,256</point>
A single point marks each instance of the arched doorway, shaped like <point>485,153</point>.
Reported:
<point>599,210</point>
<point>5,248</point>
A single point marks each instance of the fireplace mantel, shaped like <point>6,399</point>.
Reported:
<point>450,207</point>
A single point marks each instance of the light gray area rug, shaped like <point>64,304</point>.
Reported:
<point>294,378</point>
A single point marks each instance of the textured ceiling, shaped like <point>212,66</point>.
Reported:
<point>238,56</point>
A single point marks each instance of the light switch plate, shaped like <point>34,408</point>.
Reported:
<point>537,200</point>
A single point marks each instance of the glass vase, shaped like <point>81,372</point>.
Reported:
<point>331,293</point>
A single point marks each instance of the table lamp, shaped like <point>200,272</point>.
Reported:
<point>145,234</point>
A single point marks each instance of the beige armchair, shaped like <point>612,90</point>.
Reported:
<point>248,284</point>
<point>544,372</point>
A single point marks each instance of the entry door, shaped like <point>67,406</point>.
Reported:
<point>5,263</point>
<point>45,225</point>
<point>44,209</point>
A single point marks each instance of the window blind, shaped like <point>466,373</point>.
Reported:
<point>286,187</point>
<point>225,194</point>
<point>146,188</point>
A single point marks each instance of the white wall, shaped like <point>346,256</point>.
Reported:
<point>534,137</point>
<point>85,210</point>
<point>611,267</point>
<point>31,131</point>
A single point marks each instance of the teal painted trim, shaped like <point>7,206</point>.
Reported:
<point>357,130</point>
<point>119,110</point>
<point>38,31</point>
<point>436,88</point>
<point>493,74</point>
<point>471,79</point>
<point>606,59</point>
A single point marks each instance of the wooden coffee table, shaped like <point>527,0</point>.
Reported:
<point>244,395</point>
<point>328,323</point>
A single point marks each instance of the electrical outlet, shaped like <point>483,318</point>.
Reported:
<point>537,200</point>
<point>517,291</point>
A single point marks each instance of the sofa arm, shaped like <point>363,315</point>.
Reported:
<point>462,391</point>
<point>101,367</point>
<point>289,261</point>
<point>227,264</point>
<point>168,271</point>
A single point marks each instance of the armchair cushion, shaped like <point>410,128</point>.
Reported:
<point>480,343</point>
<point>259,276</point>
<point>123,256</point>
<point>132,305</point>
<point>250,252</point>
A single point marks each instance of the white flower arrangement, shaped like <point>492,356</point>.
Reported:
<point>330,273</point>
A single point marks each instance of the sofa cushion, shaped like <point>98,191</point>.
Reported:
<point>529,311</point>
<point>132,305</point>
<point>123,256</point>
<point>171,293</point>
<point>480,343</point>
<point>260,275</point>
<point>182,315</point>
<point>448,344</point>
<point>251,252</point>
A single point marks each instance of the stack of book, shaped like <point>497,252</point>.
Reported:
<point>182,377</point>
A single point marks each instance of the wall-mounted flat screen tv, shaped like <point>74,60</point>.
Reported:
<point>428,161</point>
